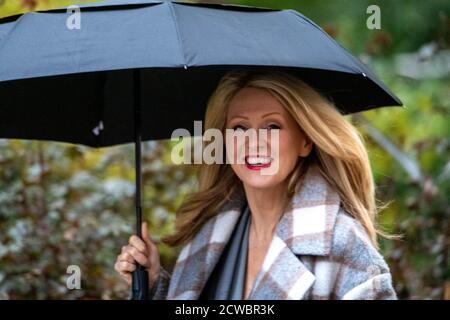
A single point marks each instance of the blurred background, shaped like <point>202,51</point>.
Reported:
<point>64,205</point>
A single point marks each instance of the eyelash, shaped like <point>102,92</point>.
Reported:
<point>272,126</point>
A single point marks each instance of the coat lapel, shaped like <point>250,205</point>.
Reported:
<point>304,229</point>
<point>198,258</point>
<point>282,275</point>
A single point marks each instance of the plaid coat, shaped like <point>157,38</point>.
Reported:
<point>318,251</point>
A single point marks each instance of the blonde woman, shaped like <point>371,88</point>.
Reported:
<point>306,232</point>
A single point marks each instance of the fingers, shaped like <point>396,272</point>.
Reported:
<point>125,256</point>
<point>124,267</point>
<point>138,256</point>
<point>137,243</point>
<point>131,255</point>
<point>142,251</point>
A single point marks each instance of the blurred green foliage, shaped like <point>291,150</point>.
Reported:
<point>62,204</point>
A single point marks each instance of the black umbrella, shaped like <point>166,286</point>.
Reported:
<point>137,70</point>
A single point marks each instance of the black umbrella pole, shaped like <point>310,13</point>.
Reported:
<point>139,285</point>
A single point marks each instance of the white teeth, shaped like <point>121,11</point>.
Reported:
<point>258,160</point>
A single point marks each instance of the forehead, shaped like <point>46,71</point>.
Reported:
<point>253,101</point>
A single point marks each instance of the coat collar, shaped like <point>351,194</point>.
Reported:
<point>308,222</point>
<point>307,225</point>
<point>305,228</point>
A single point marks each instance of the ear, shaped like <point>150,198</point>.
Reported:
<point>305,148</point>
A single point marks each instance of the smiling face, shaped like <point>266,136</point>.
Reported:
<point>256,109</point>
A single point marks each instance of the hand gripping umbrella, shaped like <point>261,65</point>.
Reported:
<point>137,70</point>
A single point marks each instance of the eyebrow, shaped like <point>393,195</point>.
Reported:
<point>264,116</point>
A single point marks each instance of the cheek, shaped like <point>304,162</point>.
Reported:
<point>241,172</point>
<point>233,152</point>
<point>288,155</point>
<point>288,148</point>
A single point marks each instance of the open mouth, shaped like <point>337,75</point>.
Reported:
<point>258,162</point>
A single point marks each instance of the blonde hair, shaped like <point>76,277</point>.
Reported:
<point>339,153</point>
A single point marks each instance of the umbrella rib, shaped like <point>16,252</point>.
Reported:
<point>363,69</point>
<point>177,30</point>
<point>11,30</point>
<point>345,54</point>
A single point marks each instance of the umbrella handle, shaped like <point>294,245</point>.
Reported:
<point>139,284</point>
<point>139,290</point>
<point>139,277</point>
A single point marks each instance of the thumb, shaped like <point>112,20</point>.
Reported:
<point>146,235</point>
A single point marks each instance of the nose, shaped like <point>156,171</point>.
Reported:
<point>258,143</point>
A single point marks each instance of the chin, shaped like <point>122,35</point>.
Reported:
<point>261,182</point>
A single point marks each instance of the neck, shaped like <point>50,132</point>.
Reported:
<point>266,206</point>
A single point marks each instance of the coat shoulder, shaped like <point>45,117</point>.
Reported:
<point>352,244</point>
<point>361,266</point>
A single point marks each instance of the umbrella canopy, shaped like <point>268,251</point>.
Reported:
<point>77,85</point>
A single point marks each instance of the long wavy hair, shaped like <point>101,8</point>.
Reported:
<point>338,152</point>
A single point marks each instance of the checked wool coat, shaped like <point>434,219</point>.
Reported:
<point>318,251</point>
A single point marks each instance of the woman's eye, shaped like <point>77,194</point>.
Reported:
<point>239,128</point>
<point>273,126</point>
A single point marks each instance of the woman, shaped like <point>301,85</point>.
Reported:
<point>306,232</point>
